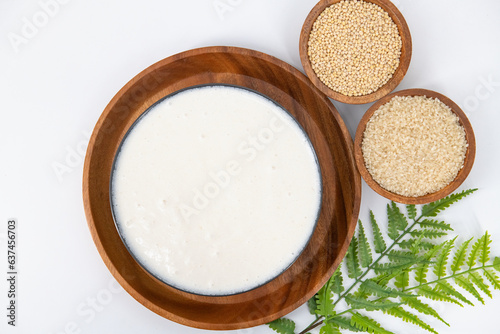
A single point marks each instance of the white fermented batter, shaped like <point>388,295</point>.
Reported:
<point>216,190</point>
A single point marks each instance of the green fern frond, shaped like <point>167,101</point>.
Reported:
<point>426,233</point>
<point>283,326</point>
<point>432,209</point>
<point>474,253</point>
<point>475,278</point>
<point>378,239</point>
<point>351,259</point>
<point>364,250</point>
<point>378,290</point>
<point>486,248</point>
<point>406,316</point>
<point>464,282</point>
<point>460,255</point>
<point>423,308</point>
<point>493,278</point>
<point>329,328</point>
<point>369,305</point>
<point>412,211</point>
<point>367,324</point>
<point>451,291</point>
<point>442,258</point>
<point>343,323</point>
<point>435,224</point>
<point>402,270</point>
<point>436,295</point>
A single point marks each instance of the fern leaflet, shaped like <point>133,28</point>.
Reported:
<point>474,253</point>
<point>378,239</point>
<point>312,305</point>
<point>449,290</point>
<point>432,209</point>
<point>337,281</point>
<point>364,250</point>
<point>402,280</point>
<point>435,224</point>
<point>423,308</point>
<point>466,284</point>
<point>493,278</point>
<point>475,278</point>
<point>422,269</point>
<point>397,221</point>
<point>398,256</point>
<point>416,243</point>
<point>486,250</point>
<point>460,255</point>
<point>436,295</point>
<point>369,305</point>
<point>378,290</point>
<point>426,233</point>
<point>351,259</point>
<point>412,211</point>
<point>283,326</point>
<point>367,324</point>
<point>406,316</point>
<point>496,263</point>
<point>442,259</point>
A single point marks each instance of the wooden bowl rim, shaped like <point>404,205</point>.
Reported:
<point>462,174</point>
<point>344,133</point>
<point>388,87</point>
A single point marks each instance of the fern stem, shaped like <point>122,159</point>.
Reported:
<point>468,271</point>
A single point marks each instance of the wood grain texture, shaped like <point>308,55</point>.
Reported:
<point>396,79</point>
<point>329,136</point>
<point>462,174</point>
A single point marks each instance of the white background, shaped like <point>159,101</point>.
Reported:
<point>56,82</point>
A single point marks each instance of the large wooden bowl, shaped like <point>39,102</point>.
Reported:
<point>462,174</point>
<point>396,79</point>
<point>329,136</point>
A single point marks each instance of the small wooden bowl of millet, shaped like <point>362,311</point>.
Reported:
<point>355,51</point>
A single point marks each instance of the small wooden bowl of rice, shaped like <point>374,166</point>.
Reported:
<point>415,146</point>
<point>355,51</point>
